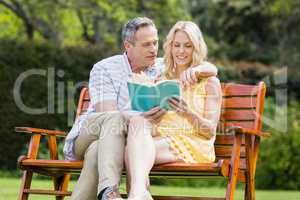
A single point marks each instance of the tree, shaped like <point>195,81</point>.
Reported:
<point>102,20</point>
<point>256,30</point>
<point>286,29</point>
<point>37,16</point>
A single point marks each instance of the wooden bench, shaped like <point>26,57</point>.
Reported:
<point>236,147</point>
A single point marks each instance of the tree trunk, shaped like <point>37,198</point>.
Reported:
<point>29,31</point>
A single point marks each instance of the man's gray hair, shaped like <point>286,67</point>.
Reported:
<point>131,27</point>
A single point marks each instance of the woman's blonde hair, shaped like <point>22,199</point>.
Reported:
<point>195,35</point>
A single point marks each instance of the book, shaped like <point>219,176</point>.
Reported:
<point>145,96</point>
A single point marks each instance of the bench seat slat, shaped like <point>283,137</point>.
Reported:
<point>78,165</point>
<point>52,163</point>
<point>48,192</point>
<point>64,164</point>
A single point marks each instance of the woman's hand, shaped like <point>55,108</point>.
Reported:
<point>200,124</point>
<point>154,115</point>
<point>159,78</point>
<point>190,76</point>
<point>179,106</point>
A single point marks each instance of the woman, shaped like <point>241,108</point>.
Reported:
<point>187,132</point>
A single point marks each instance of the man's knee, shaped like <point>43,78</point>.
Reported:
<point>100,119</point>
<point>116,117</point>
<point>116,122</point>
<point>91,155</point>
<point>114,125</point>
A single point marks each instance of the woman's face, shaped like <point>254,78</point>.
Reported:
<point>182,50</point>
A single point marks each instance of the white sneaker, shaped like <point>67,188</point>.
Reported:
<point>111,193</point>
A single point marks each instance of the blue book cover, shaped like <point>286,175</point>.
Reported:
<point>144,97</point>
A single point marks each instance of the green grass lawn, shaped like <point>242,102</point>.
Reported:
<point>9,188</point>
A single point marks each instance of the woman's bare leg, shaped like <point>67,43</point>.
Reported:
<point>163,152</point>
<point>142,151</point>
<point>140,154</point>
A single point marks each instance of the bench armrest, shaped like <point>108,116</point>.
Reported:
<point>35,140</point>
<point>40,131</point>
<point>246,131</point>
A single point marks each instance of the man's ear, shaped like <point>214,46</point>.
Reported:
<point>127,45</point>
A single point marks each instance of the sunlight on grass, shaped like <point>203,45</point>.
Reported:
<point>10,187</point>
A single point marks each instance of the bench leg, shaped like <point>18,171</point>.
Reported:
<point>231,189</point>
<point>25,184</point>
<point>251,156</point>
<point>234,167</point>
<point>61,183</point>
<point>250,188</point>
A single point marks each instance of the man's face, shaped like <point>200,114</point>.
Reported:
<point>142,53</point>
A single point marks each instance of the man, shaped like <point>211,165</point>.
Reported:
<point>98,137</point>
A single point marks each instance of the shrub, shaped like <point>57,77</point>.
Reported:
<point>279,163</point>
<point>16,58</point>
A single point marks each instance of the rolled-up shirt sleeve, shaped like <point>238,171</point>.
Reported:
<point>101,86</point>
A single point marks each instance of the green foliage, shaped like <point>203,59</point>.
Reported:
<point>230,27</point>
<point>17,58</point>
<point>279,163</point>
<point>93,21</point>
<point>10,25</point>
<point>246,72</point>
<point>263,31</point>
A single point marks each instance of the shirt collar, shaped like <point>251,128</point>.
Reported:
<point>128,67</point>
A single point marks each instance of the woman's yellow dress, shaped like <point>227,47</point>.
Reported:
<point>185,141</point>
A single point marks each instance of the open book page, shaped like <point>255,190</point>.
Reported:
<point>167,89</point>
<point>145,94</point>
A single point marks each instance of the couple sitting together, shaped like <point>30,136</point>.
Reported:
<point>106,137</point>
